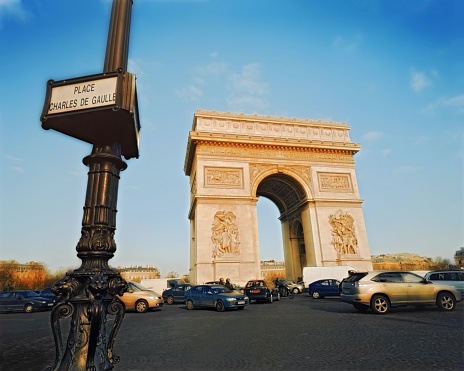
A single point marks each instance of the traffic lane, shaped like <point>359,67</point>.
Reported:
<point>295,334</point>
<point>326,334</point>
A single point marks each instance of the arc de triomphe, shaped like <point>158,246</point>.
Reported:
<point>305,167</point>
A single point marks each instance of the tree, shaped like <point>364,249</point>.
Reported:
<point>172,274</point>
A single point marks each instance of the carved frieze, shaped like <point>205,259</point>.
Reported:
<point>344,238</point>
<point>257,169</point>
<point>335,182</point>
<point>225,237</point>
<point>223,177</point>
<point>275,152</point>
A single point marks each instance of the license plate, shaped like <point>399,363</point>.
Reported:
<point>241,303</point>
<point>255,291</point>
<point>50,304</point>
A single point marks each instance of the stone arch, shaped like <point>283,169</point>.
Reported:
<point>306,167</point>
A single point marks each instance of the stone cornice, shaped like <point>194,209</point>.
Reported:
<point>240,142</point>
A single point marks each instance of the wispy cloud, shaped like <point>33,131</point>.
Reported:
<point>405,170</point>
<point>421,140</point>
<point>245,90</point>
<point>386,152</point>
<point>419,81</point>
<point>16,162</point>
<point>347,45</point>
<point>372,135</point>
<point>13,8</point>
<point>455,103</point>
<point>190,93</point>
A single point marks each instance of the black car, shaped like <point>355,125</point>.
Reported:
<point>176,294</point>
<point>23,301</point>
<point>262,290</point>
<point>49,294</point>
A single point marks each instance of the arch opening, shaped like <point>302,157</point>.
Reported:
<point>288,195</point>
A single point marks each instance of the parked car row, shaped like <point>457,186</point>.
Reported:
<point>382,290</point>
<point>375,290</point>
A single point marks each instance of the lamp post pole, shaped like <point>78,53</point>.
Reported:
<point>90,292</point>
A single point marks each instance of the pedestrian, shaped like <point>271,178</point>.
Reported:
<point>221,281</point>
<point>229,285</point>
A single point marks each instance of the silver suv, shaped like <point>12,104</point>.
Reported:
<point>451,278</point>
<point>380,290</point>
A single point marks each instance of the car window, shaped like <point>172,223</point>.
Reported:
<point>461,276</point>
<point>411,277</point>
<point>434,276</point>
<point>451,276</point>
<point>355,277</point>
<point>389,277</point>
<point>324,283</point>
<point>207,290</point>
<point>197,290</point>
<point>4,295</point>
<point>187,287</point>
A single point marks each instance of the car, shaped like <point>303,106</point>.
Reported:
<point>176,294</point>
<point>137,297</point>
<point>214,296</point>
<point>49,294</point>
<point>24,301</point>
<point>297,288</point>
<point>262,290</point>
<point>381,290</point>
<point>449,277</point>
<point>321,288</point>
<point>236,287</point>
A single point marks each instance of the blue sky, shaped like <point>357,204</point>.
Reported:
<point>392,70</point>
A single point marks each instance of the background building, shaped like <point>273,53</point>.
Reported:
<point>138,273</point>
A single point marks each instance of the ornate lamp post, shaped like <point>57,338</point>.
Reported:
<point>102,110</point>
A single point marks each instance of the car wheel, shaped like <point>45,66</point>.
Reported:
<point>296,291</point>
<point>316,295</point>
<point>170,300</point>
<point>141,306</point>
<point>380,304</point>
<point>220,306</point>
<point>360,307</point>
<point>28,308</point>
<point>190,305</point>
<point>446,301</point>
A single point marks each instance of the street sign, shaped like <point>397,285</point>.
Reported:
<point>98,109</point>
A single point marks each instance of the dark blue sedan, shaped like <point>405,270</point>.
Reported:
<point>321,288</point>
<point>23,301</point>
<point>176,294</point>
<point>214,296</point>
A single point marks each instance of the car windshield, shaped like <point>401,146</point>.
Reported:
<point>30,294</point>
<point>220,290</point>
<point>137,287</point>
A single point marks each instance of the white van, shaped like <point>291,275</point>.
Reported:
<point>311,274</point>
<point>450,278</point>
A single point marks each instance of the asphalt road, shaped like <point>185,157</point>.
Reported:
<point>298,334</point>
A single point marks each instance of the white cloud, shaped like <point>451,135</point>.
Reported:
<point>247,104</point>
<point>419,81</point>
<point>190,93</point>
<point>348,46</point>
<point>386,152</point>
<point>421,140</point>
<point>247,80</point>
<point>13,8</point>
<point>456,103</point>
<point>215,68</point>
<point>372,135</point>
<point>404,170</point>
